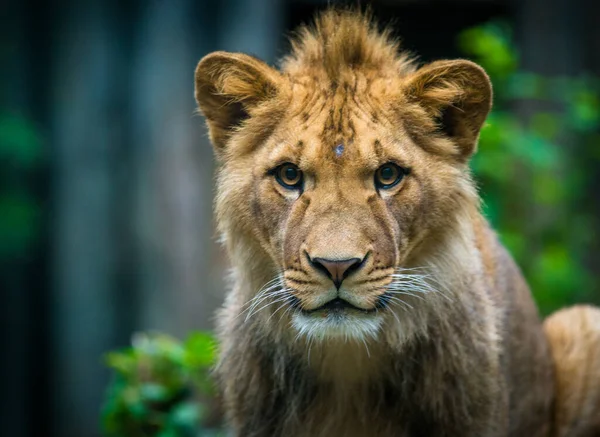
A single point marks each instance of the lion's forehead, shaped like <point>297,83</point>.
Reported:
<point>336,106</point>
<point>346,123</point>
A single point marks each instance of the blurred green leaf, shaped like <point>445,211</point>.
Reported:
<point>186,415</point>
<point>20,143</point>
<point>546,125</point>
<point>490,44</point>
<point>584,111</point>
<point>151,392</point>
<point>19,223</point>
<point>200,350</point>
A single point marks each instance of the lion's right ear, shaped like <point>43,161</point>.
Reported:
<point>228,87</point>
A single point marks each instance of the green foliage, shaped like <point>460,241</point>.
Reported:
<point>20,143</point>
<point>20,157</point>
<point>541,128</point>
<point>161,388</point>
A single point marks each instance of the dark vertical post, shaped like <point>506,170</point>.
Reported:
<point>85,139</point>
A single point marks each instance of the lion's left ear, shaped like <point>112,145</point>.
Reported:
<point>458,95</point>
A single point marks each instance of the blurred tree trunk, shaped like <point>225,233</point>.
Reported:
<point>551,36</point>
<point>173,174</point>
<point>87,134</point>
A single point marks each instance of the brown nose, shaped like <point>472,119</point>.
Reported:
<point>337,270</point>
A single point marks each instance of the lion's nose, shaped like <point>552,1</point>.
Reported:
<point>337,270</point>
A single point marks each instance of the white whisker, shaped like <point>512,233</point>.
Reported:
<point>280,294</point>
<point>282,297</point>
<point>366,347</point>
<point>396,315</point>
<point>406,293</point>
<point>250,310</point>
<point>311,340</point>
<point>400,301</point>
<point>285,302</point>
<point>275,288</point>
<point>285,312</point>
<point>414,281</point>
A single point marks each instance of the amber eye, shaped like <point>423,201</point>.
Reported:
<point>388,176</point>
<point>289,176</point>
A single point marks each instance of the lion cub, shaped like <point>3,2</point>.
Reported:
<point>370,296</point>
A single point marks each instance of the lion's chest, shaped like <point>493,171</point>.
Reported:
<point>350,412</point>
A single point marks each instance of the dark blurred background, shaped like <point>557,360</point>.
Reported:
<point>106,174</point>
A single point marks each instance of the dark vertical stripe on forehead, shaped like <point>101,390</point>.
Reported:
<point>359,110</point>
<point>368,97</point>
<point>327,135</point>
<point>333,88</point>
<point>378,149</point>
<point>321,108</point>
<point>342,113</point>
<point>339,128</point>
<point>352,131</point>
<point>309,101</point>
<point>305,100</point>
<point>330,122</point>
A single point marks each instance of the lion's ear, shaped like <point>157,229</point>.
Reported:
<point>458,95</point>
<point>228,87</point>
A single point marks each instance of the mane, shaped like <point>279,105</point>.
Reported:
<point>342,40</point>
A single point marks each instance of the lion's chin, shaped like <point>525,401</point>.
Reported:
<point>337,325</point>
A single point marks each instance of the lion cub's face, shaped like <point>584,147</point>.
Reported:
<point>336,183</point>
<point>342,195</point>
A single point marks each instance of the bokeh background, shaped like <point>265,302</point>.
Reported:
<point>106,174</point>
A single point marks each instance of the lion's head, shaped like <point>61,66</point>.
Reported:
<point>335,169</point>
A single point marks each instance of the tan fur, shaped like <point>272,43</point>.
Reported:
<point>574,335</point>
<point>446,340</point>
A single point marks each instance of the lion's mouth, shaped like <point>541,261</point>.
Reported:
<point>338,305</point>
<point>338,318</point>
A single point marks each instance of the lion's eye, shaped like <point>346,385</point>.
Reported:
<point>289,176</point>
<point>388,176</point>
